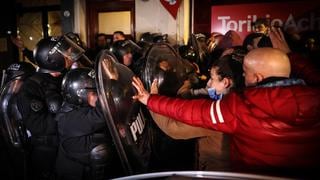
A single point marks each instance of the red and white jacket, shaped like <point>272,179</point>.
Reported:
<point>270,127</point>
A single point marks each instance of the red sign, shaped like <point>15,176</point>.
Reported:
<point>172,6</point>
<point>300,15</point>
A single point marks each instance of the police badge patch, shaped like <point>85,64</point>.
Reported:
<point>92,74</point>
<point>36,105</point>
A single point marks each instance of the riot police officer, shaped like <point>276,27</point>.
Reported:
<point>128,53</point>
<point>85,150</point>
<point>39,99</point>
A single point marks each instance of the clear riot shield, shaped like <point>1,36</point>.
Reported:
<point>133,46</point>
<point>164,64</point>
<point>172,72</point>
<point>13,131</point>
<point>135,49</point>
<point>123,115</point>
<point>11,125</point>
<point>69,48</point>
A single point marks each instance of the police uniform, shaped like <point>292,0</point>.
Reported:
<point>81,129</point>
<point>38,101</point>
<point>85,149</point>
<point>40,98</point>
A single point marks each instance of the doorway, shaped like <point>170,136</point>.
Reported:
<point>109,16</point>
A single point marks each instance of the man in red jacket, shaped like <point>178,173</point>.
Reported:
<point>274,123</point>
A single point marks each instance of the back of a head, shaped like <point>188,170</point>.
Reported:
<point>76,84</point>
<point>48,59</point>
<point>269,62</point>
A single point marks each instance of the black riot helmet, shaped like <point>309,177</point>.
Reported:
<point>76,84</point>
<point>120,48</point>
<point>19,70</point>
<point>147,39</point>
<point>160,38</point>
<point>52,53</point>
<point>46,59</point>
<point>188,53</point>
<point>198,43</point>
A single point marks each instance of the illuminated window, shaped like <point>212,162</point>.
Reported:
<point>114,21</point>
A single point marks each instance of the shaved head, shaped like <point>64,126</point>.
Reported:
<point>262,63</point>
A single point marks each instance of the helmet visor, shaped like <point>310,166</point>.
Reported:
<point>68,48</point>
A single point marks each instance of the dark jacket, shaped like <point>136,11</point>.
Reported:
<point>38,101</point>
<point>81,128</point>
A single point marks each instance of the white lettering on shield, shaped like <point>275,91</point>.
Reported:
<point>137,126</point>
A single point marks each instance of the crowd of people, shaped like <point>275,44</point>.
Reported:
<point>252,106</point>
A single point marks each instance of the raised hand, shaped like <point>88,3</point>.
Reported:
<point>154,87</point>
<point>109,68</point>
<point>278,40</point>
<point>143,95</point>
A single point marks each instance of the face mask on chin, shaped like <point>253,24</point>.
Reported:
<point>213,94</point>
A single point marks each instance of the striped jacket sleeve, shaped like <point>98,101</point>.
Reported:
<point>197,112</point>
